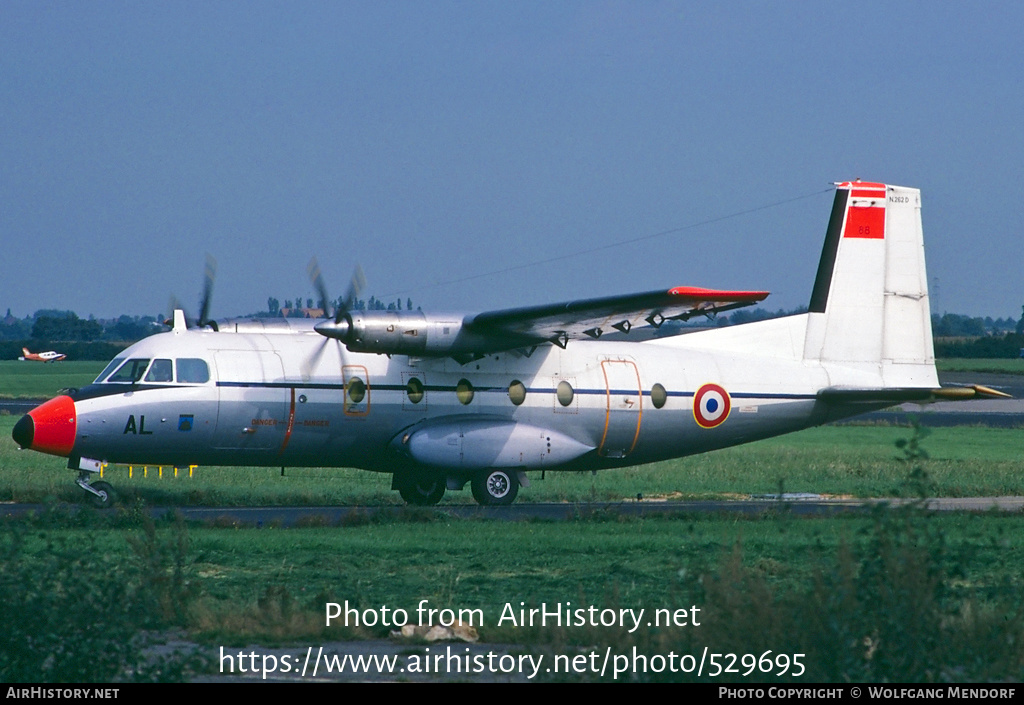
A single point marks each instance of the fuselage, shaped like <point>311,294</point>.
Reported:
<point>294,398</point>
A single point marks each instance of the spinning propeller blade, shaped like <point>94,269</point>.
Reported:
<point>356,285</point>
<point>204,302</point>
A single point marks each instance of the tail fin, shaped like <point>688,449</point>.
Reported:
<point>869,309</point>
<point>26,352</point>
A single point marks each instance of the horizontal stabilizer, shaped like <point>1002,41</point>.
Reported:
<point>973,391</point>
<point>897,395</point>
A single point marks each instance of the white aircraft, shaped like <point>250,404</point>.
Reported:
<point>48,356</point>
<point>442,401</point>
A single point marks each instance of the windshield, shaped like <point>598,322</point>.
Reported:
<point>190,370</point>
<point>114,364</point>
<point>130,371</point>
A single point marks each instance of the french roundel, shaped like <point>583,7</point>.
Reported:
<point>711,405</point>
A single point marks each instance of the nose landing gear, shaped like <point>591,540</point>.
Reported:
<point>99,494</point>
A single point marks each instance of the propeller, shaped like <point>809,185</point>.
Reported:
<point>204,302</point>
<point>339,328</point>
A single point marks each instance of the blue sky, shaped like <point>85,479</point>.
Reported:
<point>482,155</point>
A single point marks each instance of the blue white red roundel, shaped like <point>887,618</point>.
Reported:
<point>711,405</point>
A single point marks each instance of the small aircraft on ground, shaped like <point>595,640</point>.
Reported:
<point>440,402</point>
<point>48,356</point>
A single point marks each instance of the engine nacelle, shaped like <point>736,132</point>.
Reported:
<point>401,332</point>
<point>473,444</point>
<point>410,333</point>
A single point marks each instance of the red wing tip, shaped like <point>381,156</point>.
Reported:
<point>696,292</point>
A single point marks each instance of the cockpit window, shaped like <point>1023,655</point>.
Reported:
<point>114,364</point>
<point>194,370</point>
<point>130,371</point>
<point>161,371</point>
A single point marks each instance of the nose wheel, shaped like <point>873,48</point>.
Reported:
<point>99,494</point>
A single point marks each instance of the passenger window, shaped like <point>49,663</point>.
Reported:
<point>130,371</point>
<point>356,390</point>
<point>415,390</point>
<point>565,393</point>
<point>464,391</point>
<point>517,392</point>
<point>658,396</point>
<point>193,370</point>
<point>161,371</point>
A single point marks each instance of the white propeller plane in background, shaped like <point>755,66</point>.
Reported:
<point>48,356</point>
<point>444,401</point>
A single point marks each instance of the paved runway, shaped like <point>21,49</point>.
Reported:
<point>803,505</point>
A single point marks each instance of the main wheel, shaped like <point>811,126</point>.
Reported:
<point>422,489</point>
<point>495,487</point>
<point>107,496</point>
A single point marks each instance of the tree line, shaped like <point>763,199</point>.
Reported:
<point>94,339</point>
<point>65,326</point>
<point>293,308</point>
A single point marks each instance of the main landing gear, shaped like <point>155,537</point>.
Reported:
<point>423,489</point>
<point>493,487</point>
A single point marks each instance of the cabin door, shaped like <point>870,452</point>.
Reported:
<point>253,410</point>
<point>624,402</point>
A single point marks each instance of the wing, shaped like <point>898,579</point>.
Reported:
<point>591,318</point>
<point>469,338</point>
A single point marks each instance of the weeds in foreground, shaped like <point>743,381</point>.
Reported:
<point>72,614</point>
<point>918,483</point>
<point>881,613</point>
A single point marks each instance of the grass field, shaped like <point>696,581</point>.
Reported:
<point>898,596</point>
<point>42,380</point>
<point>996,366</point>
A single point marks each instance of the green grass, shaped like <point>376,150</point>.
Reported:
<point>778,582</point>
<point>848,460</point>
<point>981,365</point>
<point>42,380</point>
<point>484,564</point>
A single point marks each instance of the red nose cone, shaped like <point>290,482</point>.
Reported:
<point>53,427</point>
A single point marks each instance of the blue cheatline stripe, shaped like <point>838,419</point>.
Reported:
<point>101,390</point>
<point>529,390</point>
